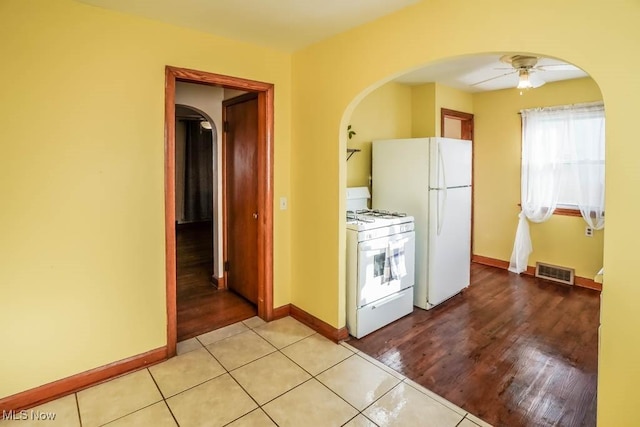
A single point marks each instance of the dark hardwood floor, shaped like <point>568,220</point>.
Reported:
<point>515,351</point>
<point>202,308</point>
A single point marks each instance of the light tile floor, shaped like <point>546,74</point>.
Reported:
<point>258,374</point>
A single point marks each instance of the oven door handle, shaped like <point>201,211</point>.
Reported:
<point>395,238</point>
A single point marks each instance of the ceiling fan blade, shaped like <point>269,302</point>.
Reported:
<point>558,67</point>
<point>493,78</point>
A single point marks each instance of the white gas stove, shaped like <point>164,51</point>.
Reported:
<point>374,223</point>
<point>380,264</point>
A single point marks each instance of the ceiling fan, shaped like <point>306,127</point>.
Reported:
<point>526,67</point>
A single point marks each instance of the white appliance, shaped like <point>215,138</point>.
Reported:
<point>380,265</point>
<point>430,178</point>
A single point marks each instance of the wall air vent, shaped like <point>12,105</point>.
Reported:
<point>557,274</point>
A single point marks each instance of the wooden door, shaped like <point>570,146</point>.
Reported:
<point>241,195</point>
<point>456,124</point>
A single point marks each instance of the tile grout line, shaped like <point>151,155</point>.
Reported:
<point>243,365</point>
<point>142,408</point>
<point>405,377</point>
<point>164,399</point>
<point>251,397</point>
<point>78,408</point>
<point>353,350</point>
<point>315,376</point>
<point>301,367</point>
<point>227,372</point>
<point>330,389</point>
<point>279,350</point>
<point>381,396</point>
<point>435,400</point>
<point>130,413</point>
<point>385,368</point>
<point>240,385</point>
<point>171,412</point>
<point>156,383</point>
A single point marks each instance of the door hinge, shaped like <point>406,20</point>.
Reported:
<point>226,126</point>
<point>226,266</point>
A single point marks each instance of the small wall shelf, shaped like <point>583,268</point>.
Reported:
<point>351,152</point>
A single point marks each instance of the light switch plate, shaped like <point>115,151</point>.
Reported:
<point>283,203</point>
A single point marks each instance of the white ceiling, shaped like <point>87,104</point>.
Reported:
<point>289,25</point>
<point>286,25</point>
<point>465,73</point>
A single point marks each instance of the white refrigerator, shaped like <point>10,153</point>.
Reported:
<point>430,179</point>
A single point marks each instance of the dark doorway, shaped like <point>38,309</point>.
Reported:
<point>263,217</point>
<point>200,306</point>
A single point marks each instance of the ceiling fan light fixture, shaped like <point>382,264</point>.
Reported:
<point>523,79</point>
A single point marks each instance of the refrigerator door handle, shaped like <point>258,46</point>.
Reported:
<point>441,208</point>
<point>442,168</point>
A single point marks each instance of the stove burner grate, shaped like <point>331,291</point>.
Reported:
<point>380,213</point>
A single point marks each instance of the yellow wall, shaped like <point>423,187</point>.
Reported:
<point>383,114</point>
<point>81,165</point>
<point>423,110</point>
<point>590,33</point>
<point>497,145</point>
<point>427,101</point>
<point>82,271</point>
<point>452,99</point>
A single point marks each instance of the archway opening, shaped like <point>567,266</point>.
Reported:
<point>411,106</point>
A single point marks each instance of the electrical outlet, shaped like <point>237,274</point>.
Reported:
<point>588,231</point>
<point>283,203</point>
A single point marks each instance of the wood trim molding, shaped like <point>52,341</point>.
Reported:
<point>212,79</point>
<point>280,312</point>
<point>311,321</point>
<point>458,115</point>
<point>567,212</point>
<point>562,211</point>
<point>320,326</point>
<point>265,199</point>
<point>170,208</point>
<point>223,207</point>
<point>491,262</point>
<point>45,393</point>
<point>265,93</point>
<point>582,282</point>
<point>218,282</point>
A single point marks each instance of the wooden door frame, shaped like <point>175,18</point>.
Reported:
<point>265,93</point>
<point>465,118</point>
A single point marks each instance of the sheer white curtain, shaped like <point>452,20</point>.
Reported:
<point>562,153</point>
<point>541,173</point>
<point>587,124</point>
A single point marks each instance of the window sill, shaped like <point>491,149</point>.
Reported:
<point>563,211</point>
<point>567,212</point>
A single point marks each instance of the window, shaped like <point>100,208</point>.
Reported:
<point>563,158</point>
<point>562,165</point>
